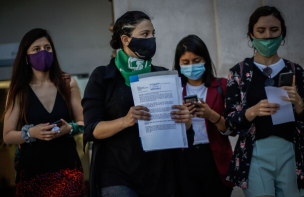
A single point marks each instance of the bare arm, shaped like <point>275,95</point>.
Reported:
<point>10,133</point>
<point>105,129</point>
<point>214,117</point>
<point>76,102</point>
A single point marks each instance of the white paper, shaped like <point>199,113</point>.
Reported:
<point>285,113</point>
<point>158,94</point>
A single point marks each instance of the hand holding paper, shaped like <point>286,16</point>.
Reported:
<point>136,113</point>
<point>159,91</point>
<point>285,113</point>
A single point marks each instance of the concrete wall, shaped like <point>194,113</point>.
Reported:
<point>80,30</point>
<point>221,24</point>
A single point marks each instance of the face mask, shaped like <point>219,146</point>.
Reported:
<point>144,48</point>
<point>194,71</point>
<point>267,47</point>
<point>41,61</point>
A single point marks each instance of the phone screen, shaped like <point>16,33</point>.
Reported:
<point>190,99</point>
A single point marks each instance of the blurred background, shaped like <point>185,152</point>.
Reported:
<point>81,31</point>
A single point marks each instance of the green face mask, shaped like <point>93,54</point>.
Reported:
<point>267,47</point>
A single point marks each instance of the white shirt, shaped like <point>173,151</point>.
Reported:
<point>276,68</point>
<point>198,124</point>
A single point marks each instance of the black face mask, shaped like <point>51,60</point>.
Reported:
<point>144,48</point>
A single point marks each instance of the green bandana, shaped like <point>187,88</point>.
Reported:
<point>129,66</point>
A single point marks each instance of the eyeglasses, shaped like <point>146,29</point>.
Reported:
<point>267,72</point>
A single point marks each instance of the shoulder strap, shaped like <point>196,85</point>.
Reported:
<point>67,79</point>
<point>219,88</point>
<point>293,67</point>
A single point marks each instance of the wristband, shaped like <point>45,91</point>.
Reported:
<point>218,120</point>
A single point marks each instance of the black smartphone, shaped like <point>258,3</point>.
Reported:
<point>58,123</point>
<point>190,99</point>
<point>285,79</point>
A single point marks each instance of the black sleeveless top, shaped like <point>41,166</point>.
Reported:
<point>41,156</point>
<point>263,124</point>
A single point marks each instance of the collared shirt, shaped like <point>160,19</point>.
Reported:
<point>276,67</point>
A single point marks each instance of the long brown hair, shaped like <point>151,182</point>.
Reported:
<point>22,75</point>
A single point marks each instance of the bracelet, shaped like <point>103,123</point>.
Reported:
<point>218,120</point>
<point>75,129</point>
<point>71,131</point>
<point>26,134</point>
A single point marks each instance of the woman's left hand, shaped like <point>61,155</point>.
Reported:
<point>203,110</point>
<point>182,115</point>
<point>64,129</point>
<point>293,95</point>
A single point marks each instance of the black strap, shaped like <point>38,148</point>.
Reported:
<point>219,88</point>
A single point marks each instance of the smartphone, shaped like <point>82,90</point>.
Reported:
<point>190,99</point>
<point>58,123</point>
<point>285,79</point>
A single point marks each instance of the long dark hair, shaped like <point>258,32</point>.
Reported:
<point>265,11</point>
<point>22,75</point>
<point>194,44</point>
<point>125,25</point>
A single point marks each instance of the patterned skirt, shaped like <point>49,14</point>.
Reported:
<point>68,182</point>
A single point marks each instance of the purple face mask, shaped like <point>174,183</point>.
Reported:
<point>41,61</point>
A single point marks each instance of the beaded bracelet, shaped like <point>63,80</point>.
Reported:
<point>26,134</point>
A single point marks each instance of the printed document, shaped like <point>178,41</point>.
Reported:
<point>285,113</point>
<point>158,94</point>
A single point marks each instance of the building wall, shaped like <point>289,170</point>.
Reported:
<point>80,30</point>
<point>221,24</point>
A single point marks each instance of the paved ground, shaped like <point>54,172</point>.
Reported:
<point>237,192</point>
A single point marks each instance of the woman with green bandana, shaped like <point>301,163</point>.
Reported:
<point>119,166</point>
<point>268,158</point>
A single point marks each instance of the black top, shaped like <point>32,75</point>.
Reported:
<point>120,159</point>
<point>263,124</point>
<point>46,156</point>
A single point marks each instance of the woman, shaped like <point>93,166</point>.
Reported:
<point>48,163</point>
<point>265,155</point>
<point>120,167</point>
<point>209,153</point>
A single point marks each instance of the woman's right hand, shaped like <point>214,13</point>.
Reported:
<point>263,108</point>
<point>136,113</point>
<point>42,132</point>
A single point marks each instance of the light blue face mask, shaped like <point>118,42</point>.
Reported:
<point>194,71</point>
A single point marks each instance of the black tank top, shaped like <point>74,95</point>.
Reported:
<point>47,156</point>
